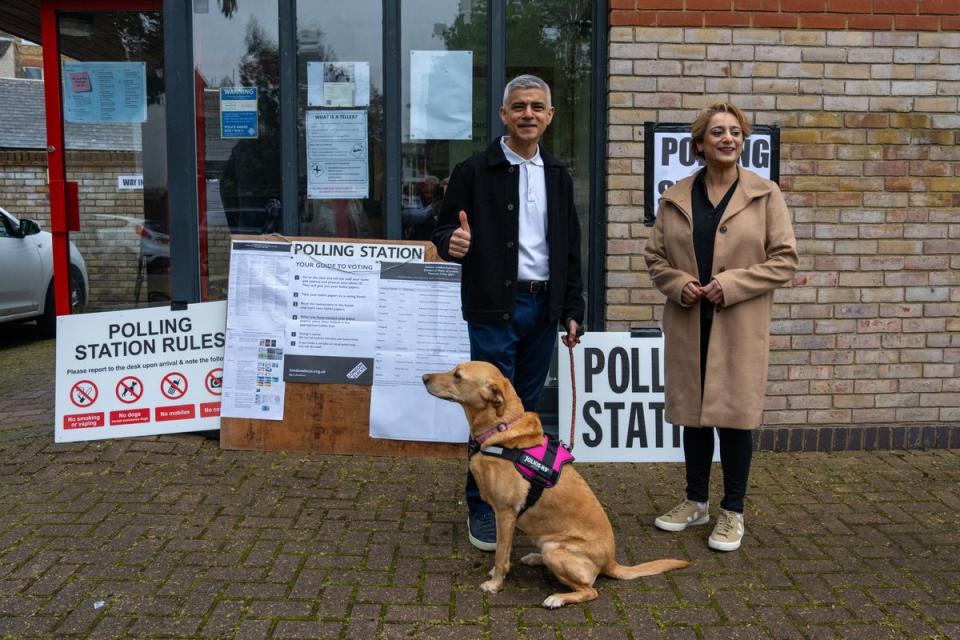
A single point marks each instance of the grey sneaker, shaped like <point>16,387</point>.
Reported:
<point>686,514</point>
<point>482,530</point>
<point>728,533</point>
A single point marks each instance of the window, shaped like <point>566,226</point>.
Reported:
<point>239,171</point>
<point>340,119</point>
<point>442,25</point>
<point>33,73</point>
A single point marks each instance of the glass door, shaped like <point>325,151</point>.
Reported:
<point>106,139</point>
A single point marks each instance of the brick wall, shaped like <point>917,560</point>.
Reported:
<point>880,15</point>
<point>869,332</point>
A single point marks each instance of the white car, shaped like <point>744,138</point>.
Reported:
<point>26,274</point>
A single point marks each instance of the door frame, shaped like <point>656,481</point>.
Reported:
<point>53,103</point>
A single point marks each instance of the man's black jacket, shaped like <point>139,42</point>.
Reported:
<point>486,186</point>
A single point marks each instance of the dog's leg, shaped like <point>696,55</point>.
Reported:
<point>573,569</point>
<point>532,560</point>
<point>506,525</point>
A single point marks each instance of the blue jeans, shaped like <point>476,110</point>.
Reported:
<point>521,349</point>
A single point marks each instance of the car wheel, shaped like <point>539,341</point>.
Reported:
<point>78,297</point>
<point>47,323</point>
<point>78,300</point>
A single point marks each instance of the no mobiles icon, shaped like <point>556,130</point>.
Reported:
<point>174,385</point>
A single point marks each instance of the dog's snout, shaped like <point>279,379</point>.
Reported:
<point>426,378</point>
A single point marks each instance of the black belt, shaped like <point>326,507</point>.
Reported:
<point>532,286</point>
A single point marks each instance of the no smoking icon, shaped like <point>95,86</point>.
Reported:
<point>83,393</point>
<point>129,389</point>
<point>214,381</point>
<point>173,385</point>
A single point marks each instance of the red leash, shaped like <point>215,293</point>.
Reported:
<point>573,395</point>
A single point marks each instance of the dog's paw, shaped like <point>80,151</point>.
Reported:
<point>491,586</point>
<point>553,602</point>
<point>493,571</point>
<point>532,560</point>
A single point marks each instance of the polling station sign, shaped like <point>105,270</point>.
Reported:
<point>669,156</point>
<point>619,399</point>
<point>139,372</point>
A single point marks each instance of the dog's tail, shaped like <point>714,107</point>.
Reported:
<point>621,572</point>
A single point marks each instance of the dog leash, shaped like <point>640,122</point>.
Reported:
<point>573,395</point>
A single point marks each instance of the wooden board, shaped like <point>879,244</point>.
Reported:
<point>327,418</point>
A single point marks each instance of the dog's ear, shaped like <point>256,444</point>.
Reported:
<point>493,394</point>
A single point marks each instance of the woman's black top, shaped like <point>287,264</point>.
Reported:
<point>706,219</point>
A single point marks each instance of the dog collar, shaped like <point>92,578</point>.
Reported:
<point>500,428</point>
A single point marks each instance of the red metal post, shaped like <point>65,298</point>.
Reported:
<point>55,162</point>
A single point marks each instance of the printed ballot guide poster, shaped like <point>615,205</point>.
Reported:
<point>419,330</point>
<point>619,401</point>
<point>139,372</point>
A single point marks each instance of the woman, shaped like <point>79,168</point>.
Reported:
<point>721,244</point>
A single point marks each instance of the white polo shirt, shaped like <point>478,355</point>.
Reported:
<point>534,258</point>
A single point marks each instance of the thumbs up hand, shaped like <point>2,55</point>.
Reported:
<point>460,239</point>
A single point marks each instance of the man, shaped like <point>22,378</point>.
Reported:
<point>508,217</point>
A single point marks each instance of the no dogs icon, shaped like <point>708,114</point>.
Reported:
<point>174,385</point>
<point>129,389</point>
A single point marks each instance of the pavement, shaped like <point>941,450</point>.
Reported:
<point>172,537</point>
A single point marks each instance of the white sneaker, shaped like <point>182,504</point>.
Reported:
<point>686,514</point>
<point>728,533</point>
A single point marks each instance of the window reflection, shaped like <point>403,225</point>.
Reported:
<point>120,166</point>
<point>452,25</point>
<point>551,39</point>
<point>236,45</point>
<point>344,33</point>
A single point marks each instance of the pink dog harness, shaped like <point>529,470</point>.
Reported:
<point>540,465</point>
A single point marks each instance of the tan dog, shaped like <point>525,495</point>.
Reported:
<point>567,523</point>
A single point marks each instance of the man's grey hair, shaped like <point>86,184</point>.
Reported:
<point>526,82</point>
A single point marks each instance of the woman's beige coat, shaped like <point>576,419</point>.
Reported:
<point>754,253</point>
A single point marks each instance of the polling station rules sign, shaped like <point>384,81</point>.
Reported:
<point>139,372</point>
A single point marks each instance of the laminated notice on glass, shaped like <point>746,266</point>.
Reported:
<point>105,92</point>
<point>337,154</point>
<point>338,84</point>
<point>441,95</point>
<point>238,112</point>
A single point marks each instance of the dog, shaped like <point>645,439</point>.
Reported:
<point>567,523</point>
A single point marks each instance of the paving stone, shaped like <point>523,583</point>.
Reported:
<point>181,539</point>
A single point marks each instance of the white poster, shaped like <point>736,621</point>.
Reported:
<point>619,400</point>
<point>441,95</point>
<point>105,92</point>
<point>139,372</point>
<point>331,328</point>
<point>258,293</point>
<point>419,330</point>
<point>337,154</point>
<point>332,320</point>
<point>338,84</point>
